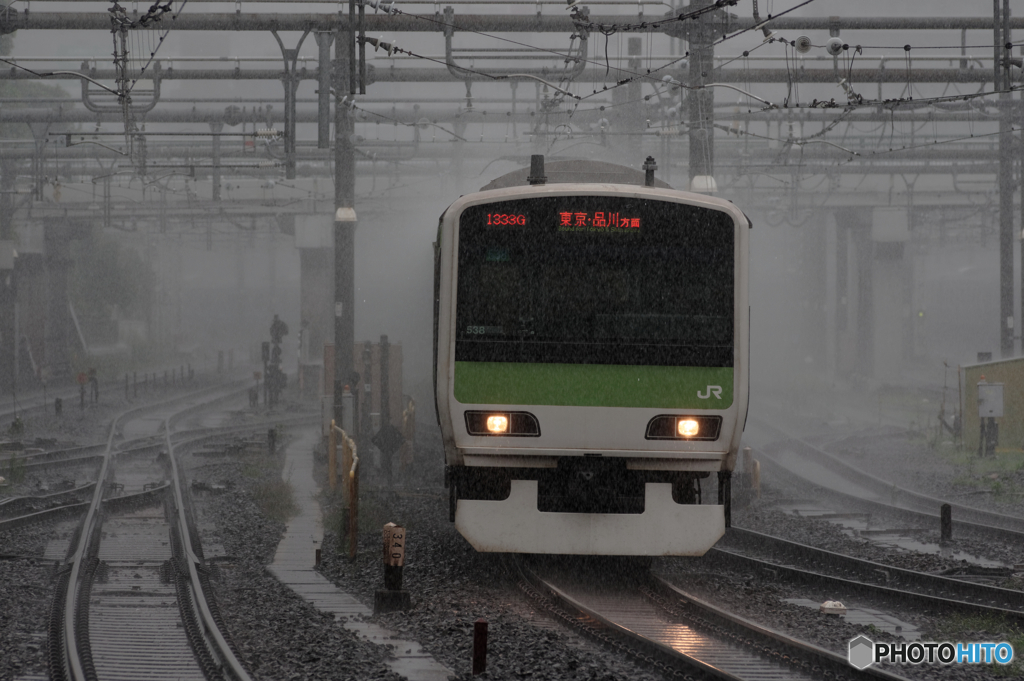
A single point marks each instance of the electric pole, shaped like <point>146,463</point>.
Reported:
<point>1001,29</point>
<point>344,208</point>
<point>701,99</point>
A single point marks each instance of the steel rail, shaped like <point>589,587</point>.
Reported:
<point>71,657</point>
<point>926,519</point>
<point>197,435</point>
<point>920,588</point>
<point>221,648</point>
<point>58,464</point>
<point>126,500</point>
<point>987,523</point>
<point>40,516</point>
<point>585,620</point>
<point>716,618</point>
<point>11,504</point>
<point>57,454</point>
<point>714,623</point>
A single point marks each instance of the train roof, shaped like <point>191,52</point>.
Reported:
<point>576,170</point>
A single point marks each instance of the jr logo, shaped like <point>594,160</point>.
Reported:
<point>715,390</point>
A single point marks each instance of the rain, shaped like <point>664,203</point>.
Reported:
<point>802,323</point>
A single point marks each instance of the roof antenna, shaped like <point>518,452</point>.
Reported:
<point>537,175</point>
<point>649,167</point>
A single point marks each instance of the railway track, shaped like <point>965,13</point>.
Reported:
<point>663,628</point>
<point>93,454</point>
<point>764,554</point>
<point>795,458</point>
<point>72,506</point>
<point>131,600</point>
<point>34,403</point>
<point>12,505</point>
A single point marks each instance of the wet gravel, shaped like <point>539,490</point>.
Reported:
<point>25,587</point>
<point>26,579</point>
<point>763,602</point>
<point>764,517</point>
<point>452,586</point>
<point>279,636</point>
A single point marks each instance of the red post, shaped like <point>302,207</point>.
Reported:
<point>479,646</point>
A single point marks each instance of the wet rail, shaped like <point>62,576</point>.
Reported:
<point>13,505</point>
<point>74,506</point>
<point>661,627</point>
<point>765,554</point>
<point>131,601</point>
<point>792,457</point>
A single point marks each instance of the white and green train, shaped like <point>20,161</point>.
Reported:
<point>591,370</point>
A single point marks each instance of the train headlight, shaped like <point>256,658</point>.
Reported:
<point>509,423</point>
<point>687,427</point>
<point>497,424</point>
<point>704,427</point>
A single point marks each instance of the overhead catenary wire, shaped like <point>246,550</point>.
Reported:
<point>633,74</point>
<point>895,102</point>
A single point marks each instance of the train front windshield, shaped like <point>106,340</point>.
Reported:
<point>595,280</point>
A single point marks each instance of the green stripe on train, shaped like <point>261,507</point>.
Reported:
<point>594,385</point>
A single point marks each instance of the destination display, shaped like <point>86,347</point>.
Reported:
<point>595,280</point>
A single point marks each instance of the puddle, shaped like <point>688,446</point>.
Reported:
<point>859,526</point>
<point>866,616</point>
<point>909,543</point>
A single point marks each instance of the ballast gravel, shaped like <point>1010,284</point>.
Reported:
<point>279,636</point>
<point>763,601</point>
<point>26,578</point>
<point>25,592</point>
<point>452,586</point>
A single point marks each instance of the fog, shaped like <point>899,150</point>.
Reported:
<point>830,311</point>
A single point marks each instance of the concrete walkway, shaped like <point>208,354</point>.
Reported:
<point>296,556</point>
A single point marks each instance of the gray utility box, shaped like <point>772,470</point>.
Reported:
<point>990,400</point>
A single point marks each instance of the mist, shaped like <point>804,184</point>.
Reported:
<point>831,308</point>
